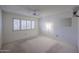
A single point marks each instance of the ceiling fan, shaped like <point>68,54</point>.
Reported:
<point>76,11</point>
<point>36,12</point>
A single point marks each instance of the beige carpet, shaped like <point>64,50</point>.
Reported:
<point>40,44</point>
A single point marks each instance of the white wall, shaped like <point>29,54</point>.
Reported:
<point>78,32</point>
<point>9,35</point>
<point>64,26</point>
<point>0,28</point>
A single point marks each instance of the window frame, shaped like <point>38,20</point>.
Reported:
<point>13,24</point>
<point>21,25</point>
<point>32,24</point>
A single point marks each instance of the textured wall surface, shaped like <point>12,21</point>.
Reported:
<point>0,28</point>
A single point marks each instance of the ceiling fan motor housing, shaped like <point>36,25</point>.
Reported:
<point>75,11</point>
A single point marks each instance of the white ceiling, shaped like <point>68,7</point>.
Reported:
<point>43,9</point>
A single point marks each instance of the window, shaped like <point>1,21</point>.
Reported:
<point>16,24</point>
<point>23,25</point>
<point>49,26</point>
<point>33,24</point>
<point>29,24</point>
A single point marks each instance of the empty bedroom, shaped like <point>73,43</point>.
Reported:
<point>39,29</point>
